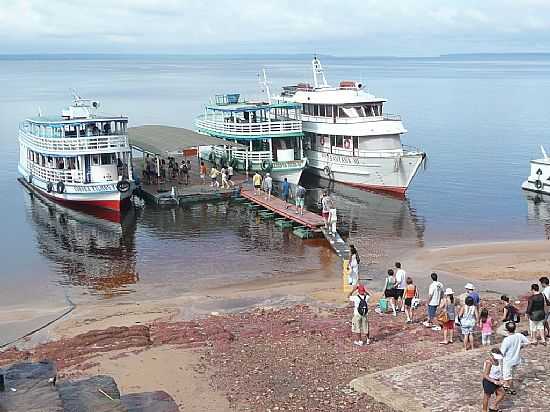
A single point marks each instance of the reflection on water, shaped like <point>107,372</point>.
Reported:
<point>378,224</point>
<point>88,251</point>
<point>538,211</point>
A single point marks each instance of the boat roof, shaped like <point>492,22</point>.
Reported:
<point>249,106</point>
<point>332,95</point>
<point>54,120</point>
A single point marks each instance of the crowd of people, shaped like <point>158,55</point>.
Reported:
<point>159,171</point>
<point>264,185</point>
<point>466,313</point>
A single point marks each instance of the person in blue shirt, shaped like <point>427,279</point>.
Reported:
<point>286,191</point>
<point>470,291</point>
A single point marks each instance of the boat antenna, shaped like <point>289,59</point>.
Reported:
<point>40,112</point>
<point>265,85</point>
<point>543,152</point>
<point>75,94</point>
<point>318,73</point>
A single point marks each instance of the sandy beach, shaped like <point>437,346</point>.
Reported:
<point>230,318</point>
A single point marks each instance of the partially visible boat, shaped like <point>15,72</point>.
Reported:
<point>271,135</point>
<point>539,178</point>
<point>79,158</point>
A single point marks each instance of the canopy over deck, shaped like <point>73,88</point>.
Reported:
<point>251,107</point>
<point>160,140</point>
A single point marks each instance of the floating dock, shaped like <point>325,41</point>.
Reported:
<point>182,195</point>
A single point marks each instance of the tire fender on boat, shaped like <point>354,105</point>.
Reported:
<point>327,170</point>
<point>538,184</point>
<point>60,187</point>
<point>49,187</point>
<point>29,179</point>
<point>123,186</point>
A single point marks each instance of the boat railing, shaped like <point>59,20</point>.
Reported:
<point>273,127</point>
<point>70,145</point>
<point>53,175</point>
<point>240,154</point>
<point>348,120</point>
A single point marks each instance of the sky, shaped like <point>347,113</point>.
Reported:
<point>336,27</point>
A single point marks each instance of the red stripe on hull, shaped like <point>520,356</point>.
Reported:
<point>392,190</point>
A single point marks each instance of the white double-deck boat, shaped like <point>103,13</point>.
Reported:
<point>79,158</point>
<point>348,138</point>
<point>271,134</point>
<point>539,179</point>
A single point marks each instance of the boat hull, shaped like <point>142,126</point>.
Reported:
<point>539,179</point>
<point>390,174</point>
<point>104,196</point>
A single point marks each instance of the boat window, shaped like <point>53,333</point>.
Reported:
<point>339,141</point>
<point>95,160</point>
<point>329,111</point>
<point>332,140</point>
<point>316,110</point>
<point>355,142</point>
<point>322,110</point>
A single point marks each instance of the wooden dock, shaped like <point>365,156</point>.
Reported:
<point>310,220</point>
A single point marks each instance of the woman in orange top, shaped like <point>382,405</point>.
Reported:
<point>202,172</point>
<point>409,294</point>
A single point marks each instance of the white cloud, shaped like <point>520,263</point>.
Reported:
<point>372,26</point>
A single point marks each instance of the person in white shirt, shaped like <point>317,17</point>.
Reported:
<point>435,293</point>
<point>400,284</point>
<point>230,173</point>
<point>360,320</point>
<point>510,347</point>
<point>268,186</point>
<point>546,293</point>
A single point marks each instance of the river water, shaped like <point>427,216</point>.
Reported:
<point>479,120</point>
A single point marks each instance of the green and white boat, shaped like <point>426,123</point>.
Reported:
<point>271,133</point>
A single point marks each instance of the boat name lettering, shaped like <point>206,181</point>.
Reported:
<point>287,164</point>
<point>341,159</point>
<point>95,188</point>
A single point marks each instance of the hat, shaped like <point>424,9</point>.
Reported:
<point>267,174</point>
<point>361,289</point>
<point>496,356</point>
<point>469,286</point>
<point>449,291</point>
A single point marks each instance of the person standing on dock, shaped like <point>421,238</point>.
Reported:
<point>326,204</point>
<point>230,173</point>
<point>257,181</point>
<point>225,183</point>
<point>214,177</point>
<point>184,170</point>
<point>300,197</point>
<point>285,191</point>
<point>268,186</point>
<point>202,171</point>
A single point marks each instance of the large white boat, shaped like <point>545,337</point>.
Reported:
<point>348,137</point>
<point>539,179</point>
<point>79,158</point>
<point>270,134</point>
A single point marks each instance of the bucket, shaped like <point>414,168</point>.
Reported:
<point>383,303</point>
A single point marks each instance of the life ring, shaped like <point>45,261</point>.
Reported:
<point>347,144</point>
<point>123,186</point>
<point>538,184</point>
<point>60,187</point>
<point>49,187</point>
<point>266,166</point>
<point>322,141</point>
<point>327,170</point>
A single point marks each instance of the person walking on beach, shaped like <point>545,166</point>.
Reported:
<point>510,348</point>
<point>537,314</point>
<point>469,316</point>
<point>300,198</point>
<point>509,314</point>
<point>400,283</point>
<point>486,327</point>
<point>471,291</point>
<point>203,171</point>
<point>389,290</point>
<point>268,186</point>
<point>360,320</point>
<point>257,182</point>
<point>492,380</point>
<point>546,293</point>
<point>435,293</point>
<point>410,293</point>
<point>448,309</point>
<point>285,191</point>
<point>353,266</point>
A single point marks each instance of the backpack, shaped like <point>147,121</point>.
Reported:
<point>362,308</point>
<point>513,314</point>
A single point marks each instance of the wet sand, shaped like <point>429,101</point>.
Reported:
<point>499,267</point>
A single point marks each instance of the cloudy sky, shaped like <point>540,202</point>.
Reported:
<point>338,27</point>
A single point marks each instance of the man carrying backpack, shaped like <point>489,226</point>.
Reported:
<point>360,321</point>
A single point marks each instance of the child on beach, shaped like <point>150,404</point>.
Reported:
<point>486,326</point>
<point>492,380</point>
<point>410,293</point>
